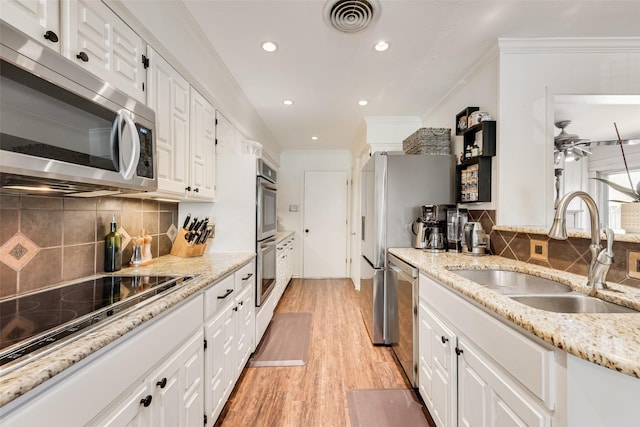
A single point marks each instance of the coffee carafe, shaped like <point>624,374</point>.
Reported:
<point>435,219</point>
<point>456,220</point>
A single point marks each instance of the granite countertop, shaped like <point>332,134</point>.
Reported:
<point>211,267</point>
<point>610,340</point>
<point>281,235</point>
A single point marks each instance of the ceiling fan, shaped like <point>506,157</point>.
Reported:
<point>568,146</point>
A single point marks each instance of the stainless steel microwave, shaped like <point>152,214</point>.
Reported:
<point>62,128</point>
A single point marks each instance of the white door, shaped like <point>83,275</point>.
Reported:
<point>325,224</point>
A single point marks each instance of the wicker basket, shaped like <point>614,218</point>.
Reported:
<point>428,141</point>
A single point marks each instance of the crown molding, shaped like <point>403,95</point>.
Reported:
<point>569,45</point>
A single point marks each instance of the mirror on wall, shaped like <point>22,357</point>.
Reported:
<point>585,146</point>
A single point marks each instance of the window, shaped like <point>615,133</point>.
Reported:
<point>609,202</point>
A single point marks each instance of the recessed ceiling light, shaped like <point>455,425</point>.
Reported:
<point>381,46</point>
<point>363,102</point>
<point>287,102</point>
<point>269,46</point>
<point>315,138</point>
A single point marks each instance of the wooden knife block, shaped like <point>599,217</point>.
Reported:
<point>182,248</point>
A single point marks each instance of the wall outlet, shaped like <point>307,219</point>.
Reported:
<point>539,250</point>
<point>634,264</point>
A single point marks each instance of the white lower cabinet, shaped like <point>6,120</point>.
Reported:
<point>170,396</point>
<point>437,367</point>
<point>476,371</point>
<point>230,335</point>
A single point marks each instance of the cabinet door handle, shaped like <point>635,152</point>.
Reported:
<point>51,36</point>
<point>188,188</point>
<point>226,294</point>
<point>241,303</point>
<point>444,340</point>
<point>83,57</point>
<point>162,383</point>
<point>146,401</point>
<point>235,308</point>
<point>458,351</point>
<point>196,190</point>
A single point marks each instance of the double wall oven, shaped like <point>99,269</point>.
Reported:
<point>266,227</point>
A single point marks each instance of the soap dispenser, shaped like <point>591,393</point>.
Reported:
<point>112,249</point>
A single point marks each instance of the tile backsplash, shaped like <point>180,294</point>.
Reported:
<point>48,240</point>
<point>570,255</point>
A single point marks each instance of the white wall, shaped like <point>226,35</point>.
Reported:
<point>478,87</point>
<point>532,72</point>
<point>293,164</point>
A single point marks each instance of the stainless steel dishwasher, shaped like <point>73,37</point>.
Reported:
<point>402,308</point>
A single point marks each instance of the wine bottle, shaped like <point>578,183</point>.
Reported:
<point>112,249</point>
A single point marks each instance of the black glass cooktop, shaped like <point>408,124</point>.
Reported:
<point>32,322</point>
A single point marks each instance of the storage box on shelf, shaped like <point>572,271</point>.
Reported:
<point>428,141</point>
<point>462,119</point>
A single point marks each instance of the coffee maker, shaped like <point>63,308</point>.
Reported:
<point>456,220</point>
<point>435,221</point>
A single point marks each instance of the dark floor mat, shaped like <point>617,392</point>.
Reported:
<point>385,408</point>
<point>286,342</point>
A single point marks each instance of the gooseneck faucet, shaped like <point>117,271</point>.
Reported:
<point>601,259</point>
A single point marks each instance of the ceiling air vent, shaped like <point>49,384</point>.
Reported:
<point>351,16</point>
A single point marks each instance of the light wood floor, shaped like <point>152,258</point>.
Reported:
<point>341,358</point>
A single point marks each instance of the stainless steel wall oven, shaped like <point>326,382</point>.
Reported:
<point>266,227</point>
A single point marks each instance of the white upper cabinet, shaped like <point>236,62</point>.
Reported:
<point>39,19</point>
<point>89,34</point>
<point>97,39</point>
<point>203,148</point>
<point>185,134</point>
<point>168,95</point>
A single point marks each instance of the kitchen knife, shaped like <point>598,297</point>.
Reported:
<point>186,221</point>
<point>194,221</point>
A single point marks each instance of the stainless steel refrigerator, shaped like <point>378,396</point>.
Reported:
<point>394,187</point>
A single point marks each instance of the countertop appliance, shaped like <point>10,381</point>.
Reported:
<point>63,127</point>
<point>266,228</point>
<point>456,220</point>
<point>435,219</point>
<point>403,282</point>
<point>394,187</point>
<point>38,322</point>
<point>476,239</point>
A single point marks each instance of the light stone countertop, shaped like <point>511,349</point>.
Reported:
<point>281,235</point>
<point>610,340</point>
<point>619,237</point>
<point>211,267</point>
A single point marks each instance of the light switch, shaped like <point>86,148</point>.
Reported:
<point>293,208</point>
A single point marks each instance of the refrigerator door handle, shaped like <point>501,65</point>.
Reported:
<point>362,228</point>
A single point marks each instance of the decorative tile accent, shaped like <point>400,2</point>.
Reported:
<point>18,251</point>
<point>125,237</point>
<point>172,232</point>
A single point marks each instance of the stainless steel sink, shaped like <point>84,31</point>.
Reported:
<point>571,303</point>
<point>513,282</point>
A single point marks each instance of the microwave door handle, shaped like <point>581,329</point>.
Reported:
<point>128,171</point>
<point>114,141</point>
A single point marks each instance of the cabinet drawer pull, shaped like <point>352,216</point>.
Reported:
<point>162,383</point>
<point>226,294</point>
<point>51,36</point>
<point>444,340</point>
<point>146,401</point>
<point>83,57</point>
<point>247,277</point>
